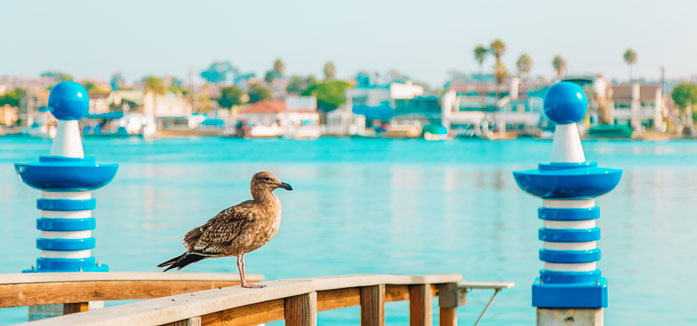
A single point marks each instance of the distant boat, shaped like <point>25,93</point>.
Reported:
<point>436,132</point>
<point>610,131</point>
<point>499,135</point>
<point>402,131</point>
<point>272,131</point>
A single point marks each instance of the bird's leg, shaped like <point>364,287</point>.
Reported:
<point>243,280</point>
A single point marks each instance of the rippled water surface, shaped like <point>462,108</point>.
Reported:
<point>385,206</point>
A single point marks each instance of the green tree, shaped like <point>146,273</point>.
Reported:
<point>12,98</point>
<point>330,94</point>
<point>480,54</point>
<point>329,71</point>
<point>559,65</point>
<point>277,71</point>
<point>156,86</point>
<point>630,59</point>
<point>61,76</point>
<point>498,48</point>
<point>230,96</point>
<point>524,64</point>
<point>258,92</point>
<point>177,89</point>
<point>299,84</point>
<point>91,87</point>
<point>685,95</point>
<point>279,67</point>
<point>269,76</point>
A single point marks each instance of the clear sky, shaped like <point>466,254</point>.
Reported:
<point>424,39</point>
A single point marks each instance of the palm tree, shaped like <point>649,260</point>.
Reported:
<point>480,53</point>
<point>329,71</point>
<point>630,59</point>
<point>524,64</point>
<point>498,48</point>
<point>155,86</point>
<point>279,67</point>
<point>559,65</point>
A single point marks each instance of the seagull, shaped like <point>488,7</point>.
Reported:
<point>236,230</point>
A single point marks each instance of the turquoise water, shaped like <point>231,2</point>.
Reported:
<point>386,206</point>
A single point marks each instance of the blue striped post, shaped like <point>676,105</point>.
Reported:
<point>66,178</point>
<point>570,286</point>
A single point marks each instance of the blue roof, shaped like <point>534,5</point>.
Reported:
<point>382,112</point>
<point>212,122</point>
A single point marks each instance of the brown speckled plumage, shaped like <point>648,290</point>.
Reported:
<point>236,230</point>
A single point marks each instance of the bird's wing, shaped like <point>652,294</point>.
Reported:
<point>212,238</point>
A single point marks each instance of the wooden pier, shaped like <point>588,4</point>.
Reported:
<point>217,302</point>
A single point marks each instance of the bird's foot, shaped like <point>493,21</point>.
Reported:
<point>252,286</point>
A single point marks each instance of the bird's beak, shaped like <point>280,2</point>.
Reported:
<point>285,186</point>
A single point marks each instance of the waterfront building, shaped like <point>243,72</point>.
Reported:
<point>420,110</point>
<point>31,112</point>
<point>639,105</point>
<point>598,91</point>
<point>296,117</point>
<point>377,102</point>
<point>301,119</point>
<point>479,105</point>
<point>343,122</point>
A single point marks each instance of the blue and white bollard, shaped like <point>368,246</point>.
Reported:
<point>66,178</point>
<point>570,289</point>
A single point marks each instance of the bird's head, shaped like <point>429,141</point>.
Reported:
<point>267,181</point>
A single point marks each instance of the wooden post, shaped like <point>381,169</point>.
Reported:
<point>569,317</point>
<point>450,296</point>
<point>373,305</point>
<point>193,321</point>
<point>71,308</point>
<point>301,310</point>
<point>420,305</point>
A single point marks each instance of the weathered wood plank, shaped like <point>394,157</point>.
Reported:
<point>447,316</point>
<point>179,307</point>
<point>396,293</point>
<point>420,305</point>
<point>359,280</point>
<point>373,305</point>
<point>486,285</point>
<point>255,314</point>
<point>71,308</point>
<point>301,310</point>
<point>183,306</point>
<point>451,295</point>
<point>122,276</point>
<point>193,321</point>
<point>337,299</point>
<point>17,295</point>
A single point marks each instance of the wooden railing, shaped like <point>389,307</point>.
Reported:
<point>297,301</point>
<point>75,290</point>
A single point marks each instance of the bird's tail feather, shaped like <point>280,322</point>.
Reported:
<point>181,261</point>
<point>171,261</point>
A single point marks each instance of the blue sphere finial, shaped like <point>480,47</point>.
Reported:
<point>565,103</point>
<point>68,100</point>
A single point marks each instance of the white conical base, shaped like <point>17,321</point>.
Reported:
<point>567,145</point>
<point>67,141</point>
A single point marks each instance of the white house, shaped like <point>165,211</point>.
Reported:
<point>301,119</point>
<point>638,105</point>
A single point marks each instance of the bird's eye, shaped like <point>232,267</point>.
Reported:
<point>267,179</point>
